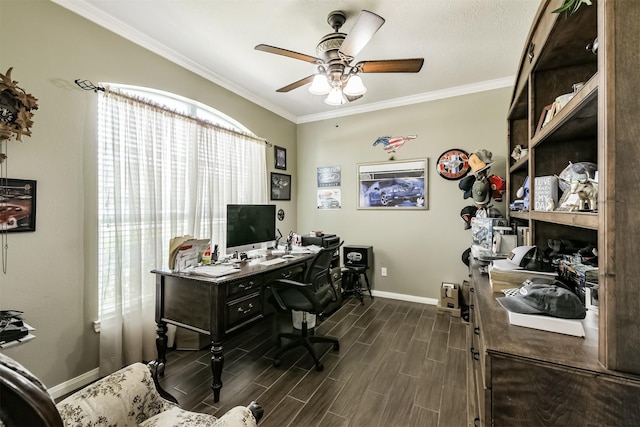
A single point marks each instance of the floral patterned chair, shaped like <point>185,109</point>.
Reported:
<point>128,397</point>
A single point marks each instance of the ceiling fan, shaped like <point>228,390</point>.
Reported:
<point>336,75</point>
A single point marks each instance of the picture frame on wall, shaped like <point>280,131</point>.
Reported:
<point>280,186</point>
<point>18,203</point>
<point>393,185</point>
<point>280,157</point>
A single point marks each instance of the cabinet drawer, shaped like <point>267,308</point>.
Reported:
<point>244,286</point>
<point>293,273</point>
<point>242,309</point>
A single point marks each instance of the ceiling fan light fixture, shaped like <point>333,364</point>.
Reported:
<point>335,97</point>
<point>354,86</point>
<point>319,85</point>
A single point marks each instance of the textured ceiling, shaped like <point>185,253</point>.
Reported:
<point>467,45</point>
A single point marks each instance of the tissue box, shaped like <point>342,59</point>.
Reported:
<point>450,295</point>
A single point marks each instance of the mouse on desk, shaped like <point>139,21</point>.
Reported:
<point>288,256</point>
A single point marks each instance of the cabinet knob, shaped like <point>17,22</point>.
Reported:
<point>476,421</point>
<point>476,355</point>
<point>531,53</point>
<point>246,286</point>
<point>241,310</point>
<point>476,330</point>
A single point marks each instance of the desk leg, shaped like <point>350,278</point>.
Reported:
<point>217,363</point>
<point>161,347</point>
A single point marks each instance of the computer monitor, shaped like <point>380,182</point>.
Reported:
<point>249,227</point>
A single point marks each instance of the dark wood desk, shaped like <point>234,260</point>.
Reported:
<point>217,307</point>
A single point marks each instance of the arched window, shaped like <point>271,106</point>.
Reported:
<point>167,167</point>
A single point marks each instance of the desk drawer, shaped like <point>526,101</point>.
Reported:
<point>242,309</point>
<point>245,286</point>
<point>293,273</point>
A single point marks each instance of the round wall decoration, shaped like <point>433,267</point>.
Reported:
<point>453,164</point>
<point>280,214</point>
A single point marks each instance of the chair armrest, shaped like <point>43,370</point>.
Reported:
<point>126,397</point>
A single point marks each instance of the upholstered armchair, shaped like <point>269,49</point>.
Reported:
<point>128,397</point>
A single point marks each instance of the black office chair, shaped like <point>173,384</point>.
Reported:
<point>312,295</point>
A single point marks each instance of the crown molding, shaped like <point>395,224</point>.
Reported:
<point>413,99</point>
<point>98,17</point>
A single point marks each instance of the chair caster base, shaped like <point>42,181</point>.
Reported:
<point>276,362</point>
<point>319,367</point>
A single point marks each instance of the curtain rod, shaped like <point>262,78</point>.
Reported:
<point>88,85</point>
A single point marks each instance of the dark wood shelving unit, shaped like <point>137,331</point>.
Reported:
<point>526,377</point>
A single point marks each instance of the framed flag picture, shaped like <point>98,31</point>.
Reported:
<point>453,164</point>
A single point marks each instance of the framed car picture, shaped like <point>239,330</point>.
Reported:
<point>393,185</point>
<point>17,205</point>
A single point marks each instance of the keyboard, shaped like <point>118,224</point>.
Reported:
<point>273,261</point>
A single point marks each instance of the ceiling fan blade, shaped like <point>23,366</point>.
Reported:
<point>352,98</point>
<point>297,84</point>
<point>391,66</point>
<point>289,53</point>
<point>365,27</point>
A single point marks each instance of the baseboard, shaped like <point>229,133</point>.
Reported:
<point>74,383</point>
<point>403,297</point>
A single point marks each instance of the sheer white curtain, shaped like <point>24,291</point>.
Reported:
<point>160,174</point>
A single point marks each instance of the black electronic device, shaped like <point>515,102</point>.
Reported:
<point>358,256</point>
<point>324,241</point>
<point>249,227</point>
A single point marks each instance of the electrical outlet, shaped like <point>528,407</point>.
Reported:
<point>383,271</point>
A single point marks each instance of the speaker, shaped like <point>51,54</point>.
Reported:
<point>358,256</point>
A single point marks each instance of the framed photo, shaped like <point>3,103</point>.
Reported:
<point>280,186</point>
<point>17,205</point>
<point>545,116</point>
<point>329,198</point>
<point>280,157</point>
<point>393,185</point>
<point>329,176</point>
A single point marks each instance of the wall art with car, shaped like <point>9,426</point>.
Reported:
<point>393,185</point>
<point>17,205</point>
<point>329,194</point>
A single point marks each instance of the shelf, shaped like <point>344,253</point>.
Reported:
<point>587,220</point>
<point>519,215</point>
<point>520,164</point>
<point>579,118</point>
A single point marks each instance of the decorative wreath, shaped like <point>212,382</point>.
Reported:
<point>16,108</point>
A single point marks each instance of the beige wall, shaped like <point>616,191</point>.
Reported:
<point>52,272</point>
<point>420,248</point>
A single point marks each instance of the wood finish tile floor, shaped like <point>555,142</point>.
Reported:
<point>399,364</point>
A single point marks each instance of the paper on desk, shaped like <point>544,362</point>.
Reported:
<point>212,270</point>
<point>184,252</point>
